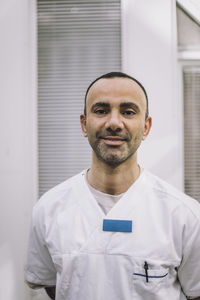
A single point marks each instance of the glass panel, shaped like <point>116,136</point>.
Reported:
<point>188,32</point>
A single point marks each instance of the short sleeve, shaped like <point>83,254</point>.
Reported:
<point>189,269</point>
<point>39,268</point>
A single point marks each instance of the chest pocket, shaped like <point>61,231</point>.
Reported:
<point>150,279</point>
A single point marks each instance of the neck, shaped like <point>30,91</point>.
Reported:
<point>113,180</point>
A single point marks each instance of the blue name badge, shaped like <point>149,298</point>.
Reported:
<point>117,225</point>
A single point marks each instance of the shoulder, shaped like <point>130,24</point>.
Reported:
<point>56,197</point>
<point>171,196</point>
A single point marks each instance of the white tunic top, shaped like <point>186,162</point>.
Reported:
<point>69,249</point>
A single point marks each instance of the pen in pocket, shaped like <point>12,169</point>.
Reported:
<point>146,267</point>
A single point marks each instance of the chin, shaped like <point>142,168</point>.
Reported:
<point>113,160</point>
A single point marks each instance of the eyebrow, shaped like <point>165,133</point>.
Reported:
<point>100,104</point>
<point>130,105</point>
<point>122,105</point>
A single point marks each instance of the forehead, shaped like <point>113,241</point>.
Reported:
<point>116,90</point>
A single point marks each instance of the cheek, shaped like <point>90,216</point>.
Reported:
<point>136,128</point>
<point>91,130</point>
<point>93,125</point>
<point>137,133</point>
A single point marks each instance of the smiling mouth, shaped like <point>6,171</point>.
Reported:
<point>113,140</point>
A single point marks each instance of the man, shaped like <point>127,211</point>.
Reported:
<point>115,231</point>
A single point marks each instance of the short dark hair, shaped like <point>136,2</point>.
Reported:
<point>119,75</point>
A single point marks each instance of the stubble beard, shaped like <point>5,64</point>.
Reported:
<point>116,155</point>
<point>110,155</point>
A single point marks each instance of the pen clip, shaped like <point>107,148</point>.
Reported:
<point>146,267</point>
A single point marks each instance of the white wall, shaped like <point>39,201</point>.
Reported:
<point>149,54</point>
<point>18,186</point>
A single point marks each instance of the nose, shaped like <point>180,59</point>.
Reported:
<point>114,121</point>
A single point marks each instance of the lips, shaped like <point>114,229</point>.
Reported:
<point>113,140</point>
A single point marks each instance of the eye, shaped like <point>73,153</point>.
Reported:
<point>129,112</point>
<point>100,111</point>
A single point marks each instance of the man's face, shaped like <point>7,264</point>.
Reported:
<point>115,121</point>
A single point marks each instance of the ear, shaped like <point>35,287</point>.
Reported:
<point>83,124</point>
<point>147,127</point>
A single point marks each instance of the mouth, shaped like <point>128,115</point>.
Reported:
<point>113,140</point>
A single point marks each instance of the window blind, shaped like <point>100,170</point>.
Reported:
<point>77,42</point>
<point>191,76</point>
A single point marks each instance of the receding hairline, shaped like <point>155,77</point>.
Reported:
<point>123,78</point>
<point>113,75</point>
